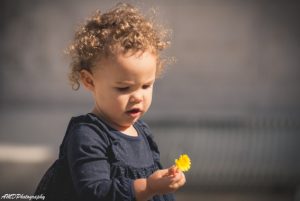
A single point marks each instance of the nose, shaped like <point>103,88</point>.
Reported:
<point>136,97</point>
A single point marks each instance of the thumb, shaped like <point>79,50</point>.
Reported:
<point>172,170</point>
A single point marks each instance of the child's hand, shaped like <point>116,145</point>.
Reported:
<point>173,170</point>
<point>165,181</point>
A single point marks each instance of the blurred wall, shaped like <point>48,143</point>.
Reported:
<point>234,58</point>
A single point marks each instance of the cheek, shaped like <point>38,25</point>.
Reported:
<point>121,100</point>
<point>148,97</point>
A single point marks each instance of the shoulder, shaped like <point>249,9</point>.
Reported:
<point>142,124</point>
<point>145,128</point>
<point>88,129</point>
<point>89,120</point>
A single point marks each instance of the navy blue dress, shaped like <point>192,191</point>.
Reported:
<point>100,163</point>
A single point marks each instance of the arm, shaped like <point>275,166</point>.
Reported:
<point>90,169</point>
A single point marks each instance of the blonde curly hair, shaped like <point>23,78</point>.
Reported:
<point>123,28</point>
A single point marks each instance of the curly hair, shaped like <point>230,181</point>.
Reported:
<point>123,28</point>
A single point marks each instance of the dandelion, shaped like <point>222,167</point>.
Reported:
<point>183,163</point>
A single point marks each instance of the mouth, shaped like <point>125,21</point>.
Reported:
<point>134,112</point>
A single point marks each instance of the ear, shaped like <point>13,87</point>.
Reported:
<point>87,79</point>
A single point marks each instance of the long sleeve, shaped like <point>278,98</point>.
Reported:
<point>90,169</point>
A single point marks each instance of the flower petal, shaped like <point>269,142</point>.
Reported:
<point>183,162</point>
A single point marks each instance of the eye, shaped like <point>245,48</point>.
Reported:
<point>146,86</point>
<point>122,89</point>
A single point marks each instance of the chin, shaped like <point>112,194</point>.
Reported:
<point>126,124</point>
<point>130,122</point>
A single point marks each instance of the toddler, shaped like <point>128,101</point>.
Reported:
<point>109,153</point>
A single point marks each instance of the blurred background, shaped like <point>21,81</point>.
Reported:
<point>231,101</point>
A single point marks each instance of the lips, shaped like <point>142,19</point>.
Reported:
<point>134,112</point>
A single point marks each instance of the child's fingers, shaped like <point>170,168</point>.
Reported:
<point>161,173</point>
<point>161,182</point>
<point>172,170</point>
<point>176,177</point>
<point>164,172</point>
<point>178,182</point>
<point>182,181</point>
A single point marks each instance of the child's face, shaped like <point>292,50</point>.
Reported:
<point>123,88</point>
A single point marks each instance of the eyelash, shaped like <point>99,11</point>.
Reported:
<point>146,86</point>
<point>124,89</point>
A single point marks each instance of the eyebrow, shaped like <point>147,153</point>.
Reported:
<point>131,83</point>
<point>124,82</point>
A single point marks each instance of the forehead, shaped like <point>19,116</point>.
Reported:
<point>130,66</point>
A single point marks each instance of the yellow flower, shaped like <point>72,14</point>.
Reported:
<point>183,163</point>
